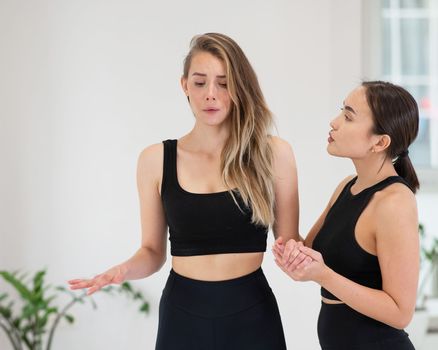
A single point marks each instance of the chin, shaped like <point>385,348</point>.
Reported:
<point>333,152</point>
<point>213,121</point>
<point>329,150</point>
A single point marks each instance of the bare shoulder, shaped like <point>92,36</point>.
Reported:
<point>394,201</point>
<point>280,147</point>
<point>152,153</point>
<point>396,220</point>
<point>150,163</point>
<point>284,165</point>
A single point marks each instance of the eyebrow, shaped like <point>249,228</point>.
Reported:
<point>348,108</point>
<point>204,75</point>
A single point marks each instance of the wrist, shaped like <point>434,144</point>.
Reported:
<point>324,276</point>
<point>123,270</point>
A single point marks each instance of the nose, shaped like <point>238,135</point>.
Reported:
<point>334,123</point>
<point>211,93</point>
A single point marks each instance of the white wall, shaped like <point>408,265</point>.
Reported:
<point>86,85</point>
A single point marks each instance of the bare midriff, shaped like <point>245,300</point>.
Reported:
<point>217,267</point>
<point>331,301</point>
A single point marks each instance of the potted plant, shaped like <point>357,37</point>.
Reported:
<point>32,324</point>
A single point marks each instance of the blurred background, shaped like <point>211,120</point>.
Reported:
<point>86,85</point>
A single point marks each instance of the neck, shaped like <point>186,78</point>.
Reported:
<point>208,139</point>
<point>373,170</point>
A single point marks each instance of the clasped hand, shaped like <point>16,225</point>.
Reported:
<point>299,262</point>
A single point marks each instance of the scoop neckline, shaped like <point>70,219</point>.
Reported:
<point>194,193</point>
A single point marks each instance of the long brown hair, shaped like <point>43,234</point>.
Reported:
<point>395,113</point>
<point>247,157</point>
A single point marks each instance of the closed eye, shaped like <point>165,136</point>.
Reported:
<point>346,116</point>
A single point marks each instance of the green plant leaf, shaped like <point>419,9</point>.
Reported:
<point>17,322</point>
<point>38,281</point>
<point>37,311</point>
<point>52,310</point>
<point>29,311</point>
<point>3,297</point>
<point>5,312</point>
<point>20,275</point>
<point>42,322</point>
<point>70,319</point>
<point>126,286</point>
<point>144,308</point>
<point>50,299</point>
<point>108,290</point>
<point>24,292</point>
<point>27,328</point>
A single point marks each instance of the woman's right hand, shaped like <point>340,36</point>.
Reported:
<point>115,275</point>
<point>288,256</point>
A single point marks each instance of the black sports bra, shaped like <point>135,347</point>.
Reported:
<point>206,223</point>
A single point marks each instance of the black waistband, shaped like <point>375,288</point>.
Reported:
<point>216,298</point>
<point>228,282</point>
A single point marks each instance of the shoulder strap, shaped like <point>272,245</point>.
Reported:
<point>169,165</point>
<point>366,195</point>
<point>388,181</point>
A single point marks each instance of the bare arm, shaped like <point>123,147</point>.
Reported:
<point>286,208</point>
<point>398,254</point>
<point>287,252</point>
<point>152,253</point>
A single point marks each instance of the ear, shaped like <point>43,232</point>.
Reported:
<point>184,85</point>
<point>382,143</point>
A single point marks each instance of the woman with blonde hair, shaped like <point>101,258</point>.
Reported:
<point>218,189</point>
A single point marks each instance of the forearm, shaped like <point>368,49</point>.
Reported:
<point>143,263</point>
<point>373,303</point>
<point>286,236</point>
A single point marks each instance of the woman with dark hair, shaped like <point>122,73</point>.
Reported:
<point>214,188</point>
<point>364,248</point>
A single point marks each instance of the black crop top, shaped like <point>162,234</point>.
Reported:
<point>337,243</point>
<point>206,223</point>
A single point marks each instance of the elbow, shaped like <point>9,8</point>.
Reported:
<point>400,324</point>
<point>160,260</point>
<point>407,320</point>
<point>156,258</point>
<point>403,320</point>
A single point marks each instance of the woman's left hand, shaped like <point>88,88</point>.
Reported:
<point>311,268</point>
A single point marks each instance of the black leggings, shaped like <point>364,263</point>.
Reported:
<point>342,328</point>
<point>235,314</point>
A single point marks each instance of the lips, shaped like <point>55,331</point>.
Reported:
<point>330,138</point>
<point>211,109</point>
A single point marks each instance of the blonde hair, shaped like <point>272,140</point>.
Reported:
<point>247,157</point>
